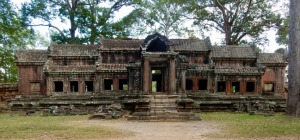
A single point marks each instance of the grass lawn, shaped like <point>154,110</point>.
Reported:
<point>55,127</point>
<point>236,125</point>
<point>232,125</point>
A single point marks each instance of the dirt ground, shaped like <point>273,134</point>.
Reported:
<point>193,130</point>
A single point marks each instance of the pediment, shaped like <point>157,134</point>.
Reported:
<point>156,43</point>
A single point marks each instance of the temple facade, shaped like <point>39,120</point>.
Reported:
<point>153,66</point>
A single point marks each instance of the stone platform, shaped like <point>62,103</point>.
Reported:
<point>164,108</point>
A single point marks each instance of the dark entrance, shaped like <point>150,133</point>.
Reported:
<point>235,87</point>
<point>58,86</point>
<point>74,86</point>
<point>221,86</point>
<point>250,87</point>
<point>202,84</point>
<point>157,80</point>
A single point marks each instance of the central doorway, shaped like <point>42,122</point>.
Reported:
<point>157,80</point>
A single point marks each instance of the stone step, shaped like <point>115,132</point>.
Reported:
<point>164,118</point>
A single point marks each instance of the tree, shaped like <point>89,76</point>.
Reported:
<point>13,35</point>
<point>283,30</point>
<point>236,19</point>
<point>158,15</point>
<point>87,17</point>
<point>293,102</point>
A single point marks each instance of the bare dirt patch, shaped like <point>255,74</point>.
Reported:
<point>191,130</point>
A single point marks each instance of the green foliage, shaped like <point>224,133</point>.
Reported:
<point>13,35</point>
<point>8,69</point>
<point>236,19</point>
<point>253,126</point>
<point>283,33</point>
<point>158,16</point>
<point>282,37</point>
<point>87,19</point>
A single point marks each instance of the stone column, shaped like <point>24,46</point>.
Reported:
<point>208,82</point>
<point>49,85</point>
<point>172,79</point>
<point>81,86</point>
<point>116,84</point>
<point>130,81</point>
<point>183,80</point>
<point>228,87</point>
<point>216,84</point>
<point>146,75</point>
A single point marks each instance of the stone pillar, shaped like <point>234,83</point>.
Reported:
<point>116,84</point>
<point>183,80</point>
<point>130,81</point>
<point>216,85</point>
<point>208,83</point>
<point>81,86</point>
<point>228,88</point>
<point>172,78</point>
<point>146,75</point>
<point>49,85</point>
<point>66,86</point>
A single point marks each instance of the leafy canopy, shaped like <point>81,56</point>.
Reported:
<point>236,19</point>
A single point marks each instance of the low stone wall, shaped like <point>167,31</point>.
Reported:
<point>8,91</point>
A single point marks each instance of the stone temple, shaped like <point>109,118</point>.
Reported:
<point>189,74</point>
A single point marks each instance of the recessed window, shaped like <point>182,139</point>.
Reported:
<point>58,86</point>
<point>269,87</point>
<point>250,86</point>
<point>189,84</point>
<point>89,86</point>
<point>74,86</point>
<point>108,84</point>
<point>35,87</point>
<point>202,84</point>
<point>221,86</point>
<point>123,84</point>
<point>235,87</point>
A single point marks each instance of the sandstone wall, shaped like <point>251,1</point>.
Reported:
<point>8,91</point>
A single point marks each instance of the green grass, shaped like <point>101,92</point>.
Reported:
<point>55,127</point>
<point>235,125</point>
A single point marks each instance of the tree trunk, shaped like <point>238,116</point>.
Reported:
<point>293,103</point>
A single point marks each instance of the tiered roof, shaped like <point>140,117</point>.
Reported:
<point>232,52</point>
<point>71,68</point>
<point>119,44</point>
<point>271,58</point>
<point>73,50</point>
<point>115,67</point>
<point>238,71</point>
<point>31,57</point>
<point>190,45</point>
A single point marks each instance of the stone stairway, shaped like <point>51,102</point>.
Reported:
<point>163,108</point>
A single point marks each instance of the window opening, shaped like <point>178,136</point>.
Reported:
<point>235,87</point>
<point>89,86</point>
<point>58,86</point>
<point>250,87</point>
<point>189,84</point>
<point>35,87</point>
<point>74,86</point>
<point>202,85</point>
<point>221,86</point>
<point>123,84</point>
<point>108,84</point>
<point>269,87</point>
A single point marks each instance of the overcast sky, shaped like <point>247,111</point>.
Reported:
<point>215,37</point>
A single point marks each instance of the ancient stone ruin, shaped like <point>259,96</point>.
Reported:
<point>156,78</point>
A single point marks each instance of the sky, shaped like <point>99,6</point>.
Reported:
<point>215,37</point>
